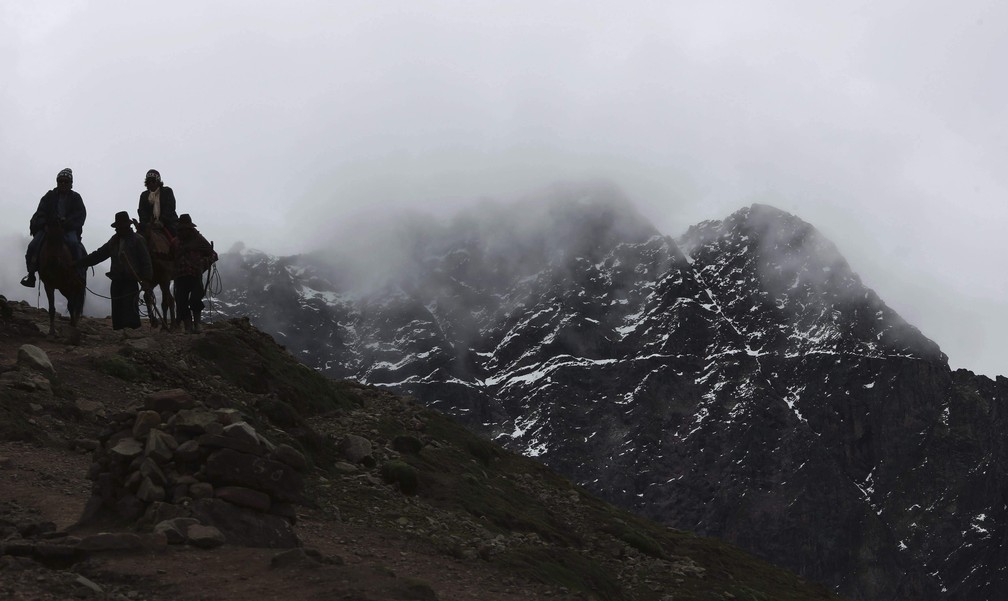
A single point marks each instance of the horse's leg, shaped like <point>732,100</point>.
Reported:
<point>167,303</point>
<point>49,292</point>
<point>75,306</point>
<point>151,303</point>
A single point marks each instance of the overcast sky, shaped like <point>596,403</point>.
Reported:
<point>884,124</point>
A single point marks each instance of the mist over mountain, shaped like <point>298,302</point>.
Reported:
<point>739,381</point>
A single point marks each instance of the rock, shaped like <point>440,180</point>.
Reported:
<point>287,511</point>
<point>187,451</point>
<point>402,474</point>
<point>30,528</point>
<point>357,449</point>
<point>219,441</point>
<point>193,421</point>
<point>141,344</point>
<point>201,490</point>
<point>145,421</point>
<point>111,541</point>
<point>204,537</point>
<point>277,479</point>
<point>127,448</point>
<point>175,529</point>
<point>20,548</point>
<point>293,557</point>
<point>226,417</point>
<point>57,551</point>
<point>345,468</point>
<point>86,444</point>
<point>243,432</point>
<point>5,462</point>
<point>90,408</point>
<point>291,456</point>
<point>173,401</point>
<point>160,445</point>
<point>407,444</point>
<point>150,492</point>
<point>88,587</point>
<point>129,508</point>
<point>159,512</point>
<point>244,497</point>
<point>150,470</point>
<point>245,526</point>
<point>33,357</point>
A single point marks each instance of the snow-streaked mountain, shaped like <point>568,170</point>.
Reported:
<point>739,381</point>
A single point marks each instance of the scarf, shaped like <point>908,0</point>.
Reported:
<point>155,199</point>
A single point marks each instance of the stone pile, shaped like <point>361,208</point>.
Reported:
<point>180,468</point>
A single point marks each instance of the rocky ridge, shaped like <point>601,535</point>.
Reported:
<point>398,501</point>
<point>739,381</point>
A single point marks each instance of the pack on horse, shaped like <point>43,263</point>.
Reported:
<point>56,270</point>
<point>162,253</point>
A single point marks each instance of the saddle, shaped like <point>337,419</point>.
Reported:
<point>160,243</point>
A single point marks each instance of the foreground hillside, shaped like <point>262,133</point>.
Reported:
<point>398,502</point>
<point>740,381</point>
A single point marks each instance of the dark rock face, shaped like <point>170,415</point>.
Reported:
<point>740,382</point>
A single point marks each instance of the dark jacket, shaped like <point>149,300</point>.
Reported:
<point>130,259</point>
<point>73,215</point>
<point>168,215</point>
<point>194,254</point>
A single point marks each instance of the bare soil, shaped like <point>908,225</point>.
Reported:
<point>44,479</point>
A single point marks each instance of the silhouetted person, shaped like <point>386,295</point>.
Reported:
<point>60,203</point>
<point>131,268</point>
<point>195,255</point>
<point>157,204</point>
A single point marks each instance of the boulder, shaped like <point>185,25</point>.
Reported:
<point>33,357</point>
<point>279,480</point>
<point>173,401</point>
<point>160,445</point>
<point>407,444</point>
<point>126,448</point>
<point>291,456</point>
<point>175,529</point>
<point>193,421</point>
<point>204,537</point>
<point>187,451</point>
<point>356,449</point>
<point>244,497</point>
<point>150,492</point>
<point>243,526</point>
<point>145,421</point>
<point>243,432</point>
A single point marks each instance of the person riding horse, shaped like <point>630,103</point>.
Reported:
<point>157,204</point>
<point>63,204</point>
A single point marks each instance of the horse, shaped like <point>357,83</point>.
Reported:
<point>56,270</point>
<point>163,267</point>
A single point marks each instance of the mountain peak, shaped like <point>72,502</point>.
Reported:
<point>797,270</point>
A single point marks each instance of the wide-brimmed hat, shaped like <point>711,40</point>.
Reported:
<point>185,220</point>
<point>122,219</point>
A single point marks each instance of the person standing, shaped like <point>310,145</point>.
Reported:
<point>61,203</point>
<point>157,204</point>
<point>195,255</point>
<point>131,269</point>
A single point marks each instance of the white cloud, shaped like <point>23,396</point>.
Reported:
<point>883,124</point>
